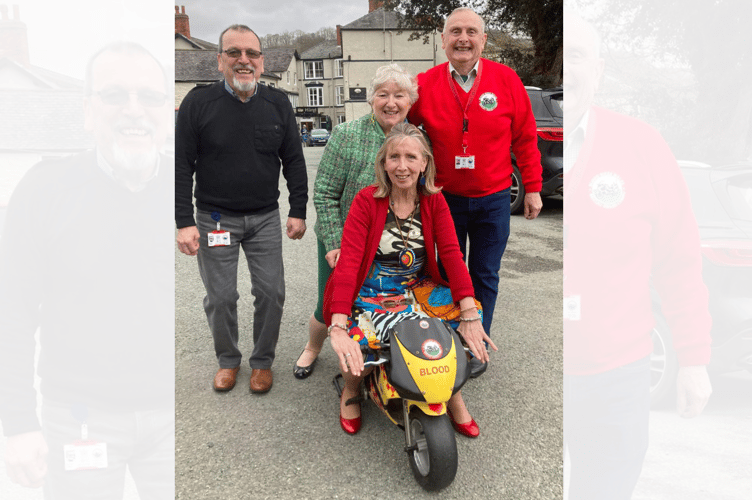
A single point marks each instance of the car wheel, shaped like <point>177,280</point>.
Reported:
<point>663,366</point>
<point>516,192</point>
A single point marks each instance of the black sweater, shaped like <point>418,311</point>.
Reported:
<point>235,148</point>
<point>90,264</point>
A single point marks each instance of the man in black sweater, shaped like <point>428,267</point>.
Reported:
<point>234,135</point>
<point>86,258</point>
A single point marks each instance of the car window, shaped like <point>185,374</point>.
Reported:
<point>539,109</point>
<point>555,104</point>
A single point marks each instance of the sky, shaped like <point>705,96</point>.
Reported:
<point>209,17</point>
<point>62,35</point>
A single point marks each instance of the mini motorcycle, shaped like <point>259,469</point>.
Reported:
<point>415,374</point>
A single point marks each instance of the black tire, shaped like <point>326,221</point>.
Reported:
<point>663,366</point>
<point>516,192</point>
<point>434,462</point>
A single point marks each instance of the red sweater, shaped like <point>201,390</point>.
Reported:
<point>360,240</point>
<point>491,131</point>
<point>628,222</point>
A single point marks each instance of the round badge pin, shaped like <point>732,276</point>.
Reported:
<point>488,101</point>
<point>431,349</point>
<point>607,190</point>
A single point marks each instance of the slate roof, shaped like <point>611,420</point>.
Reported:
<point>375,20</point>
<point>196,66</point>
<point>43,120</point>
<point>44,114</point>
<point>327,49</point>
<point>198,43</point>
<point>43,78</point>
<point>278,60</point>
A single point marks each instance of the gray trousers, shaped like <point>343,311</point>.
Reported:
<point>260,237</point>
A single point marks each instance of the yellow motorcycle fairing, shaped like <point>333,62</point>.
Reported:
<point>430,409</point>
<point>433,377</point>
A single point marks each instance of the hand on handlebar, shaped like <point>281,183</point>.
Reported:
<point>474,335</point>
<point>348,352</point>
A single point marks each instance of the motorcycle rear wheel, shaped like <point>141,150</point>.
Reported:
<point>434,459</point>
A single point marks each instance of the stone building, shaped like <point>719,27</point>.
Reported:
<point>327,83</point>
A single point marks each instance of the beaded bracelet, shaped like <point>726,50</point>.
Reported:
<point>337,325</point>
<point>467,320</point>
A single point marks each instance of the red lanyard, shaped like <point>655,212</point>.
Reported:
<point>465,118</point>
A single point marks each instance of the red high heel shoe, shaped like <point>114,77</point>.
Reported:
<point>350,425</point>
<point>469,429</point>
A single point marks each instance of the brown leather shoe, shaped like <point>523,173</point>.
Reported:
<point>261,380</point>
<point>225,378</point>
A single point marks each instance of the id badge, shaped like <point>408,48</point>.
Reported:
<point>572,308</point>
<point>85,455</point>
<point>464,161</point>
<point>219,238</point>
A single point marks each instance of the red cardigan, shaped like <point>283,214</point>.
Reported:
<point>506,121</point>
<point>360,240</point>
<point>628,222</point>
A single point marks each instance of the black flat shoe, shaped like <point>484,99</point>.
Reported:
<point>302,372</point>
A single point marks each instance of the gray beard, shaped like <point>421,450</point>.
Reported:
<point>134,167</point>
<point>243,87</point>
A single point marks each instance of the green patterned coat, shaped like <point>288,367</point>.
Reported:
<point>346,167</point>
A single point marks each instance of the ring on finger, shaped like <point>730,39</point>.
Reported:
<point>348,354</point>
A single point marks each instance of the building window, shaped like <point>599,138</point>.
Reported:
<point>316,96</point>
<point>339,65</point>
<point>271,84</point>
<point>288,77</point>
<point>339,94</point>
<point>340,119</point>
<point>293,100</point>
<point>314,69</point>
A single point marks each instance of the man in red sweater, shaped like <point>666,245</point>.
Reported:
<point>628,224</point>
<point>474,110</point>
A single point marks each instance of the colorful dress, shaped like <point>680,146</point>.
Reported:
<point>394,290</point>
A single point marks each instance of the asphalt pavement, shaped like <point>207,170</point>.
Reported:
<point>288,443</point>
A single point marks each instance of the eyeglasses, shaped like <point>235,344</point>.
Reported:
<point>236,53</point>
<point>121,97</point>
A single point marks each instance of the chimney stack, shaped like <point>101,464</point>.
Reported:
<point>182,25</point>
<point>374,4</point>
<point>14,43</point>
<point>339,35</point>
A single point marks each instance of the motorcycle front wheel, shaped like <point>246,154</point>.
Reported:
<point>433,450</point>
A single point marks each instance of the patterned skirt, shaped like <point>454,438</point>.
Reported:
<point>384,301</point>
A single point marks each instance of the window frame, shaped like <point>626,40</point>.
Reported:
<point>316,70</point>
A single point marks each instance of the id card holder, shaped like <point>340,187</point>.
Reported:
<point>572,307</point>
<point>84,453</point>
<point>464,161</point>
<point>219,238</point>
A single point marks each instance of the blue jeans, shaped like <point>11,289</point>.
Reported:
<point>260,238</point>
<point>485,221</point>
<point>606,430</point>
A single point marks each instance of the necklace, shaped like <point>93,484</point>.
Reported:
<point>406,255</point>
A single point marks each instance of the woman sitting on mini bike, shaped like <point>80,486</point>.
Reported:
<point>388,272</point>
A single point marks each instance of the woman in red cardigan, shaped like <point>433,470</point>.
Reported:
<point>388,272</point>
